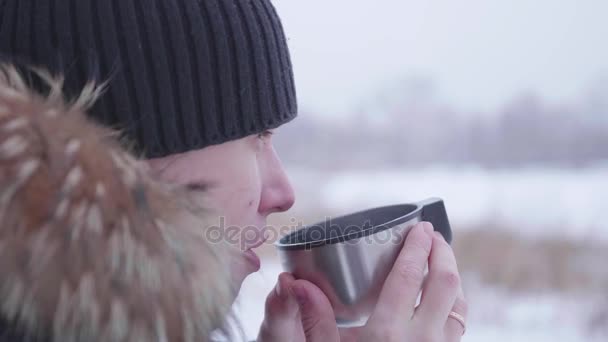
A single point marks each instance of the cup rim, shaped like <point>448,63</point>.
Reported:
<point>411,210</point>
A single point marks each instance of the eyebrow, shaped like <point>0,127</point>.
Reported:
<point>197,185</point>
<point>192,185</point>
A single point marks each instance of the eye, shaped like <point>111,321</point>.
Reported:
<point>264,138</point>
<point>197,187</point>
<point>265,134</point>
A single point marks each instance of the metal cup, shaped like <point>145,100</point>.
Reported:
<point>349,257</point>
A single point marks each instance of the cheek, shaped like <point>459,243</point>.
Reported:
<point>243,204</point>
<point>239,198</point>
<point>249,199</point>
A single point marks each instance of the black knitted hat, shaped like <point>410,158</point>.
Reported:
<point>183,74</point>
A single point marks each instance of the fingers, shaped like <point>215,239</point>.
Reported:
<point>400,291</point>
<point>351,334</point>
<point>279,303</point>
<point>441,287</point>
<point>453,329</point>
<point>316,313</point>
<point>280,312</point>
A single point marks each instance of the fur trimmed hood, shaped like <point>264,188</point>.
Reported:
<point>92,248</point>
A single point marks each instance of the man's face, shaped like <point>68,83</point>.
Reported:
<point>243,181</point>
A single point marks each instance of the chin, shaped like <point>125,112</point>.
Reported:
<point>241,269</point>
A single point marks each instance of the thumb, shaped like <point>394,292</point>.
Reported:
<point>316,313</point>
<point>281,315</point>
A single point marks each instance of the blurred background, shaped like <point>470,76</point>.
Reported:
<point>498,107</point>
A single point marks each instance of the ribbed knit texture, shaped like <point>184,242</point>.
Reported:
<point>183,74</point>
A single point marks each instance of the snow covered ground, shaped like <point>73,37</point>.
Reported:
<point>530,201</point>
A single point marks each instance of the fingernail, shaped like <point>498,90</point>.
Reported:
<point>428,228</point>
<point>300,294</point>
<point>278,287</point>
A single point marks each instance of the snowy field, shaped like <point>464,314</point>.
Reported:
<point>530,201</point>
<point>576,201</point>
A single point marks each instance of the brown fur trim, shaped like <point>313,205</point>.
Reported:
<point>91,247</point>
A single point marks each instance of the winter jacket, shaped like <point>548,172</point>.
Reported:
<point>92,247</point>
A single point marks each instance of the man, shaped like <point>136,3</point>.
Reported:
<point>198,87</point>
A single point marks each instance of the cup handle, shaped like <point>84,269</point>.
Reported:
<point>433,211</point>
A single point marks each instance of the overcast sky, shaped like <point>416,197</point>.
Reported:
<point>478,53</point>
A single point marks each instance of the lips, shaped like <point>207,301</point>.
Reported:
<point>248,243</point>
<point>253,259</point>
<point>251,256</point>
<point>257,244</point>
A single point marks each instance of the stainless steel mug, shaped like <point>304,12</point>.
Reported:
<point>349,257</point>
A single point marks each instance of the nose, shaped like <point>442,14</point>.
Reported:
<point>277,193</point>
